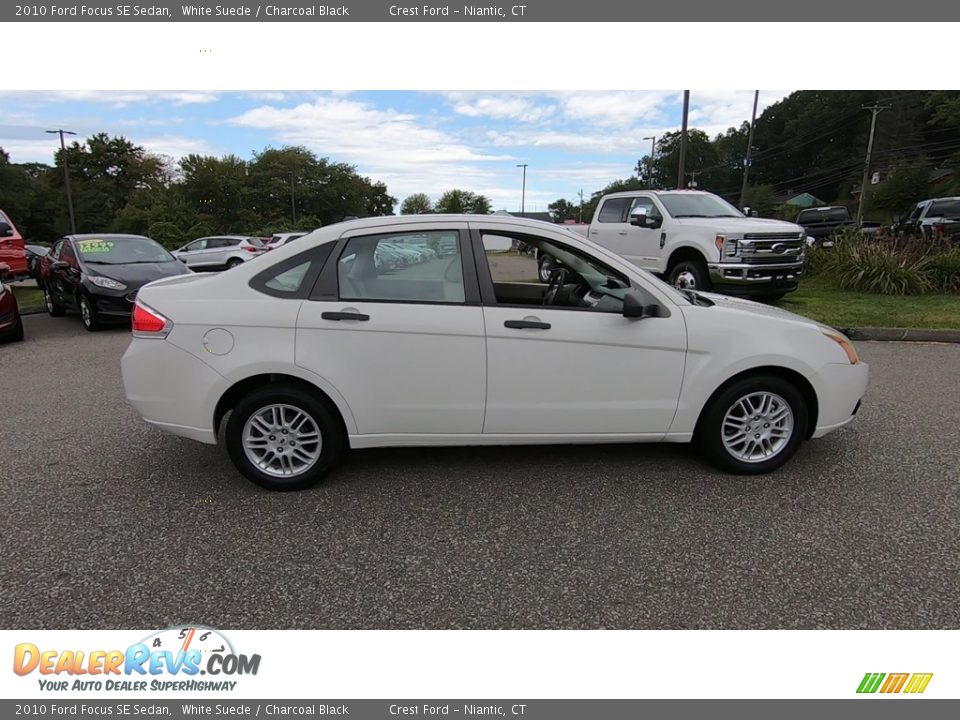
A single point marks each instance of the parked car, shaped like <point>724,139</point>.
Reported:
<point>35,254</point>
<point>280,239</point>
<point>12,252</point>
<point>929,217</point>
<point>11,325</point>
<point>100,275</point>
<point>291,360</point>
<point>822,223</point>
<point>698,241</point>
<point>220,252</point>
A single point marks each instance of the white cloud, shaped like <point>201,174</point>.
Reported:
<point>501,107</point>
<point>117,98</point>
<point>616,109</point>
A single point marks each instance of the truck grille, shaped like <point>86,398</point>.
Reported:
<point>764,249</point>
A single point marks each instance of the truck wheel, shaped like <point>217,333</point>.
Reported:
<point>771,298</point>
<point>690,275</point>
<point>753,426</point>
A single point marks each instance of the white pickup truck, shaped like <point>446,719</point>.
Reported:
<point>699,241</point>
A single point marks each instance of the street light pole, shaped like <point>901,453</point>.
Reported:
<point>523,192</point>
<point>66,176</point>
<point>653,154</point>
<point>581,205</point>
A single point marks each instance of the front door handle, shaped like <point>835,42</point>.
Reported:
<point>344,316</point>
<point>622,232</point>
<point>526,324</point>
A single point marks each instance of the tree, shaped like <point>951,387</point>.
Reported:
<point>416,204</point>
<point>463,201</point>
<point>564,210</point>
<point>105,172</point>
<point>903,187</point>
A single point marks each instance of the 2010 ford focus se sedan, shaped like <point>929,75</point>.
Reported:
<point>331,343</point>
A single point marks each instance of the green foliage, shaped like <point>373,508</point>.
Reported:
<point>763,199</point>
<point>463,201</point>
<point>416,204</point>
<point>903,187</point>
<point>878,268</point>
<point>564,210</point>
<point>169,234</point>
<point>945,271</point>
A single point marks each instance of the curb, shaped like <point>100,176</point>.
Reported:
<point>902,335</point>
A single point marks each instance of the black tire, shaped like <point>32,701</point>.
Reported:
<point>771,298</point>
<point>53,307</point>
<point>695,268</point>
<point>709,436</point>
<point>88,314</point>
<point>15,335</point>
<point>233,262</point>
<point>333,441</point>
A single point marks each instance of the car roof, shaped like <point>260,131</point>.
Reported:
<point>231,237</point>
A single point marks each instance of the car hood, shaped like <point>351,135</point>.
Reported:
<point>741,225</point>
<point>136,275</point>
<point>750,307</point>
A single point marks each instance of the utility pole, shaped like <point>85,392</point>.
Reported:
<point>293,200</point>
<point>581,205</point>
<point>523,192</point>
<point>66,176</point>
<point>746,161</point>
<point>875,109</point>
<point>683,140</point>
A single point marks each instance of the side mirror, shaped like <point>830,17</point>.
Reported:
<point>643,221</point>
<point>5,229</point>
<point>633,307</point>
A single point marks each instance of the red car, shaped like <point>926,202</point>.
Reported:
<point>11,326</point>
<point>12,251</point>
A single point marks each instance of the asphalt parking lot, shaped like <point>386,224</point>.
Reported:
<point>109,523</point>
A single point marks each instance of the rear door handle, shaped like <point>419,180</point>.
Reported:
<point>526,324</point>
<point>622,232</point>
<point>345,316</point>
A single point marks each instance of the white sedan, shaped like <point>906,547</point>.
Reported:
<point>318,348</point>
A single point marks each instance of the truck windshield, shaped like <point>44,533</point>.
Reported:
<point>684,205</point>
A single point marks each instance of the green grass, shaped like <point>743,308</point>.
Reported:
<point>29,298</point>
<point>819,299</point>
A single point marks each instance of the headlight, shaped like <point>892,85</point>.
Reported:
<point>106,282</point>
<point>845,345</point>
<point>727,246</point>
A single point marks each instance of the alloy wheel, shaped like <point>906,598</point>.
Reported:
<point>757,427</point>
<point>282,440</point>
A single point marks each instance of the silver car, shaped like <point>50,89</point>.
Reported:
<point>219,251</point>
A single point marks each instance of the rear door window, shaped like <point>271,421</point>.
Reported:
<point>614,210</point>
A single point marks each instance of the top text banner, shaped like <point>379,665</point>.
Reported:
<point>531,11</point>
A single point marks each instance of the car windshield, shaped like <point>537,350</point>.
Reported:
<point>824,214</point>
<point>689,205</point>
<point>944,208</point>
<point>122,251</point>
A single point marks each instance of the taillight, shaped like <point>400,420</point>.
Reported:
<point>251,248</point>
<point>148,323</point>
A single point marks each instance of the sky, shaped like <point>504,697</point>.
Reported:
<point>412,141</point>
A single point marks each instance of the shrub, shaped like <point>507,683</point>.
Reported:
<point>883,269</point>
<point>945,271</point>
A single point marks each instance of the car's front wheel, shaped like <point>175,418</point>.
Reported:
<point>754,425</point>
<point>88,314</point>
<point>53,307</point>
<point>283,437</point>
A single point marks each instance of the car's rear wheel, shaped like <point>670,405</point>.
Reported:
<point>88,314</point>
<point>55,309</point>
<point>233,262</point>
<point>753,426</point>
<point>690,275</point>
<point>283,437</point>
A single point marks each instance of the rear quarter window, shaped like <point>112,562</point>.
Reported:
<point>294,277</point>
